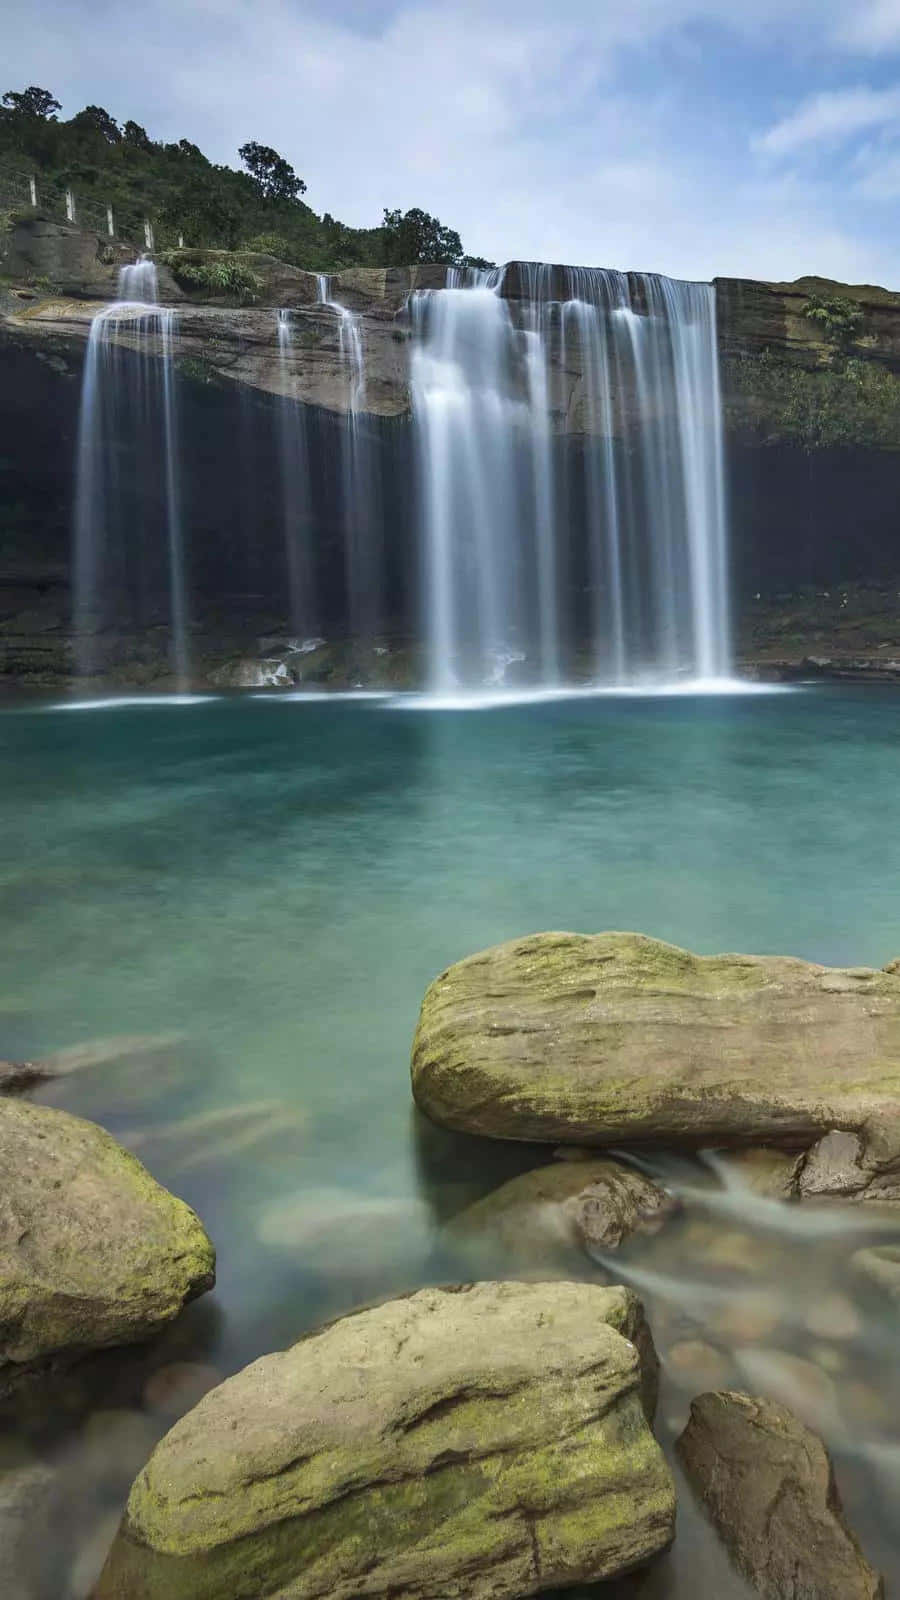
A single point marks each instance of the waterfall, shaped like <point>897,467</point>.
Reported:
<point>296,505</point>
<point>496,357</point>
<point>127,490</point>
<point>360,486</point>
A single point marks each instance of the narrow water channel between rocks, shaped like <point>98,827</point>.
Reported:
<point>226,914</point>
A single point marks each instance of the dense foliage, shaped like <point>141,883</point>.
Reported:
<point>850,402</point>
<point>840,319</point>
<point>185,194</point>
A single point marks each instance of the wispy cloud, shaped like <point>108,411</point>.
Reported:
<point>830,117</point>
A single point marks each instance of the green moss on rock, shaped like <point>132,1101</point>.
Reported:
<point>93,1252</point>
<point>593,1039</point>
<point>484,1442</point>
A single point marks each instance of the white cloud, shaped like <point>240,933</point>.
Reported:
<point>830,117</point>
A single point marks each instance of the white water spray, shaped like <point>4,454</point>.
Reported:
<point>646,481</point>
<point>127,473</point>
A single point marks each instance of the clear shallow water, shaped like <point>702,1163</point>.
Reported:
<point>271,885</point>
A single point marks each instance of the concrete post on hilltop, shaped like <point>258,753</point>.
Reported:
<point>32,190</point>
<point>70,205</point>
<point>110,221</point>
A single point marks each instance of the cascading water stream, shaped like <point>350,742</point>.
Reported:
<point>634,360</point>
<point>363,542</point>
<point>127,474</point>
<point>296,507</point>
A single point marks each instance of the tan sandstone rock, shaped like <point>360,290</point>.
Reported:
<point>488,1441</point>
<point>93,1251</point>
<point>593,1039</point>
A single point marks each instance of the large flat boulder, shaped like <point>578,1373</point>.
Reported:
<point>767,1483</point>
<point>592,1039</point>
<point>470,1444</point>
<point>93,1252</point>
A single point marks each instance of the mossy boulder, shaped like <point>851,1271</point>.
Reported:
<point>766,1482</point>
<point>595,1039</point>
<point>486,1441</point>
<point>93,1252</point>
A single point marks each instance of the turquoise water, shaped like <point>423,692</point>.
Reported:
<point>261,889</point>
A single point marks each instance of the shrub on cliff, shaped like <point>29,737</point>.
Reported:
<point>226,277</point>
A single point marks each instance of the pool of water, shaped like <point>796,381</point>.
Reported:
<point>232,908</point>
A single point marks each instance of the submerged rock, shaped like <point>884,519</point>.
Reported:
<point>17,1076</point>
<point>350,1236</point>
<point>215,1138</point>
<point>880,1263</point>
<point>772,1174</point>
<point>93,1252</point>
<point>767,1483</point>
<point>139,1067</point>
<point>532,1220</point>
<point>488,1441</point>
<point>29,1509</point>
<point>596,1039</point>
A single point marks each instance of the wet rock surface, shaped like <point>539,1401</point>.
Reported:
<point>534,1217</point>
<point>93,1252</point>
<point>486,1441</point>
<point>881,1265</point>
<point>766,1482</point>
<point>17,1076</point>
<point>614,1036</point>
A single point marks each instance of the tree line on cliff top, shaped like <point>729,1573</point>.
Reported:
<point>213,206</point>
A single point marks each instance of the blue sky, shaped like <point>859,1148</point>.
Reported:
<point>694,137</point>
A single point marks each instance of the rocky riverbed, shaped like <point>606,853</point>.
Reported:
<point>495,1440</point>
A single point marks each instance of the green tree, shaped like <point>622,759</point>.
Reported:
<point>95,120</point>
<point>133,133</point>
<point>415,236</point>
<point>274,177</point>
<point>33,102</point>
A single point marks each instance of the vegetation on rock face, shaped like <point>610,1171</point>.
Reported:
<point>850,402</point>
<point>182,193</point>
<point>840,319</point>
<point>227,276</point>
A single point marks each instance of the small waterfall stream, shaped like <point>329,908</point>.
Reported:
<point>499,500</point>
<point>128,492</point>
<point>296,505</point>
<point>361,501</point>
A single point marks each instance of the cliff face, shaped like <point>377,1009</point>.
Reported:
<point>812,408</point>
<point>788,375</point>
